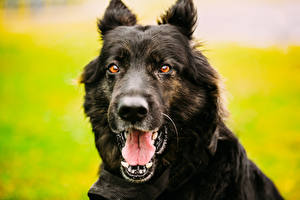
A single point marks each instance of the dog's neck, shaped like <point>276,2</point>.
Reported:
<point>191,165</point>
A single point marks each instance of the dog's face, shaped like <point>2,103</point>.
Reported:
<point>145,85</point>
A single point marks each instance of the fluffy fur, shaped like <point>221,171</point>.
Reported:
<point>203,157</point>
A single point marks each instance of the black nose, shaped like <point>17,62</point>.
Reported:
<point>133,109</point>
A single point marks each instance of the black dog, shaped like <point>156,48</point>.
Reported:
<point>155,108</point>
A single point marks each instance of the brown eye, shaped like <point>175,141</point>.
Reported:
<point>113,68</point>
<point>165,69</point>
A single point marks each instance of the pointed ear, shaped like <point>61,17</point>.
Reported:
<point>116,14</point>
<point>183,15</point>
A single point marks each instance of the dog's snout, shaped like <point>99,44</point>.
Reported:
<point>133,109</point>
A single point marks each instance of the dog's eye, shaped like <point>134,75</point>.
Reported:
<point>165,69</point>
<point>113,68</point>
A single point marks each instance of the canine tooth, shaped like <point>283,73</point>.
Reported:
<point>149,164</point>
<point>124,164</point>
<point>154,136</point>
<point>125,134</point>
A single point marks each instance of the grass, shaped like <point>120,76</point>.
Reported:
<point>46,145</point>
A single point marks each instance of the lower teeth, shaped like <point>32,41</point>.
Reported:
<point>126,165</point>
<point>139,169</point>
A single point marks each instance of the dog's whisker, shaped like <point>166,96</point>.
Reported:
<point>175,128</point>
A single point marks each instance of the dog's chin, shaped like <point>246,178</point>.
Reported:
<point>141,171</point>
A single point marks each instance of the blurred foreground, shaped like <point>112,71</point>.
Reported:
<point>46,145</point>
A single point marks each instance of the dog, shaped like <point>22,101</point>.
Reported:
<point>156,111</point>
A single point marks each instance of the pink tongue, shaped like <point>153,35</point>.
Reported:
<point>138,148</point>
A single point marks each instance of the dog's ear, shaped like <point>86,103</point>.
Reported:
<point>182,15</point>
<point>90,72</point>
<point>116,14</point>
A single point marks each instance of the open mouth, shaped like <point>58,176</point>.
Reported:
<point>138,152</point>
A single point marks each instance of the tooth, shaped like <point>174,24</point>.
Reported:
<point>130,169</point>
<point>125,134</point>
<point>149,164</point>
<point>140,171</point>
<point>154,136</point>
<point>124,164</point>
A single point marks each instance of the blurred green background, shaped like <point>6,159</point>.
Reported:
<point>46,144</point>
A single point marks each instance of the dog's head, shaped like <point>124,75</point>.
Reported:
<point>149,88</point>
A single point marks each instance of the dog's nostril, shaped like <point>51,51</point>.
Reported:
<point>133,108</point>
<point>123,111</point>
<point>142,111</point>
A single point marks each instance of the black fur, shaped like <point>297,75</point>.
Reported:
<point>203,158</point>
